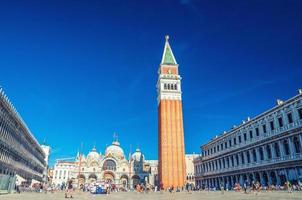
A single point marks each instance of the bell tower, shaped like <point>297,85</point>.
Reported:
<point>171,148</point>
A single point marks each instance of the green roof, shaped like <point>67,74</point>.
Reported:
<point>168,57</point>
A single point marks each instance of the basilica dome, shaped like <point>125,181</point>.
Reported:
<point>115,150</point>
<point>93,155</point>
<point>138,156</point>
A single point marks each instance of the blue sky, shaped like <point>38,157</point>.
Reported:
<point>77,71</point>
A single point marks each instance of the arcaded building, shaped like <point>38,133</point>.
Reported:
<point>20,153</point>
<point>171,148</point>
<point>266,148</point>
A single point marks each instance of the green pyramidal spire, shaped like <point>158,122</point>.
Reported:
<point>168,57</point>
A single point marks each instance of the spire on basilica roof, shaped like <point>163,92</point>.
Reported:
<point>94,148</point>
<point>115,136</point>
<point>137,148</point>
<point>168,56</point>
<point>115,139</point>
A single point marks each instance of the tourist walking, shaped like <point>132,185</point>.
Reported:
<point>69,190</point>
<point>17,189</point>
<point>289,187</point>
<point>245,184</point>
<point>221,188</point>
<point>253,187</point>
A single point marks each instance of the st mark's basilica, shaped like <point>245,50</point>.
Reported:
<point>112,166</point>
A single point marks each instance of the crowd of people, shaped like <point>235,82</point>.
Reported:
<point>106,188</point>
<point>255,187</point>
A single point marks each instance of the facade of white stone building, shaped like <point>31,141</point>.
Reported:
<point>190,172</point>
<point>21,157</point>
<point>266,148</point>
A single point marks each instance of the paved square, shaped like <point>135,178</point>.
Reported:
<point>176,196</point>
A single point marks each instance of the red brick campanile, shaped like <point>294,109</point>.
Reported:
<point>171,148</point>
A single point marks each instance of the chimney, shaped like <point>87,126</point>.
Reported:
<point>248,119</point>
<point>300,91</point>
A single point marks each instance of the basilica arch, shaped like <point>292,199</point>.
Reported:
<point>92,177</point>
<point>109,164</point>
<point>109,176</point>
<point>124,181</point>
<point>81,179</point>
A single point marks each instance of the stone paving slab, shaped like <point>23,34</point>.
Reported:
<point>158,196</point>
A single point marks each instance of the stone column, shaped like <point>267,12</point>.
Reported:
<point>273,152</point>
<point>257,155</point>
<point>241,179</point>
<point>239,158</point>
<point>281,149</point>
<point>291,147</point>
<point>244,157</point>
<point>254,177</point>
<point>270,180</point>
<point>251,156</point>
<point>261,178</point>
<point>277,177</point>
<point>219,181</point>
<point>276,124</point>
<point>297,171</point>
<point>265,154</point>
<point>300,141</point>
<point>295,115</point>
<point>232,182</point>
<point>248,178</point>
<point>286,174</point>
<point>226,163</point>
<point>292,174</point>
<point>228,182</point>
<point>230,161</point>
